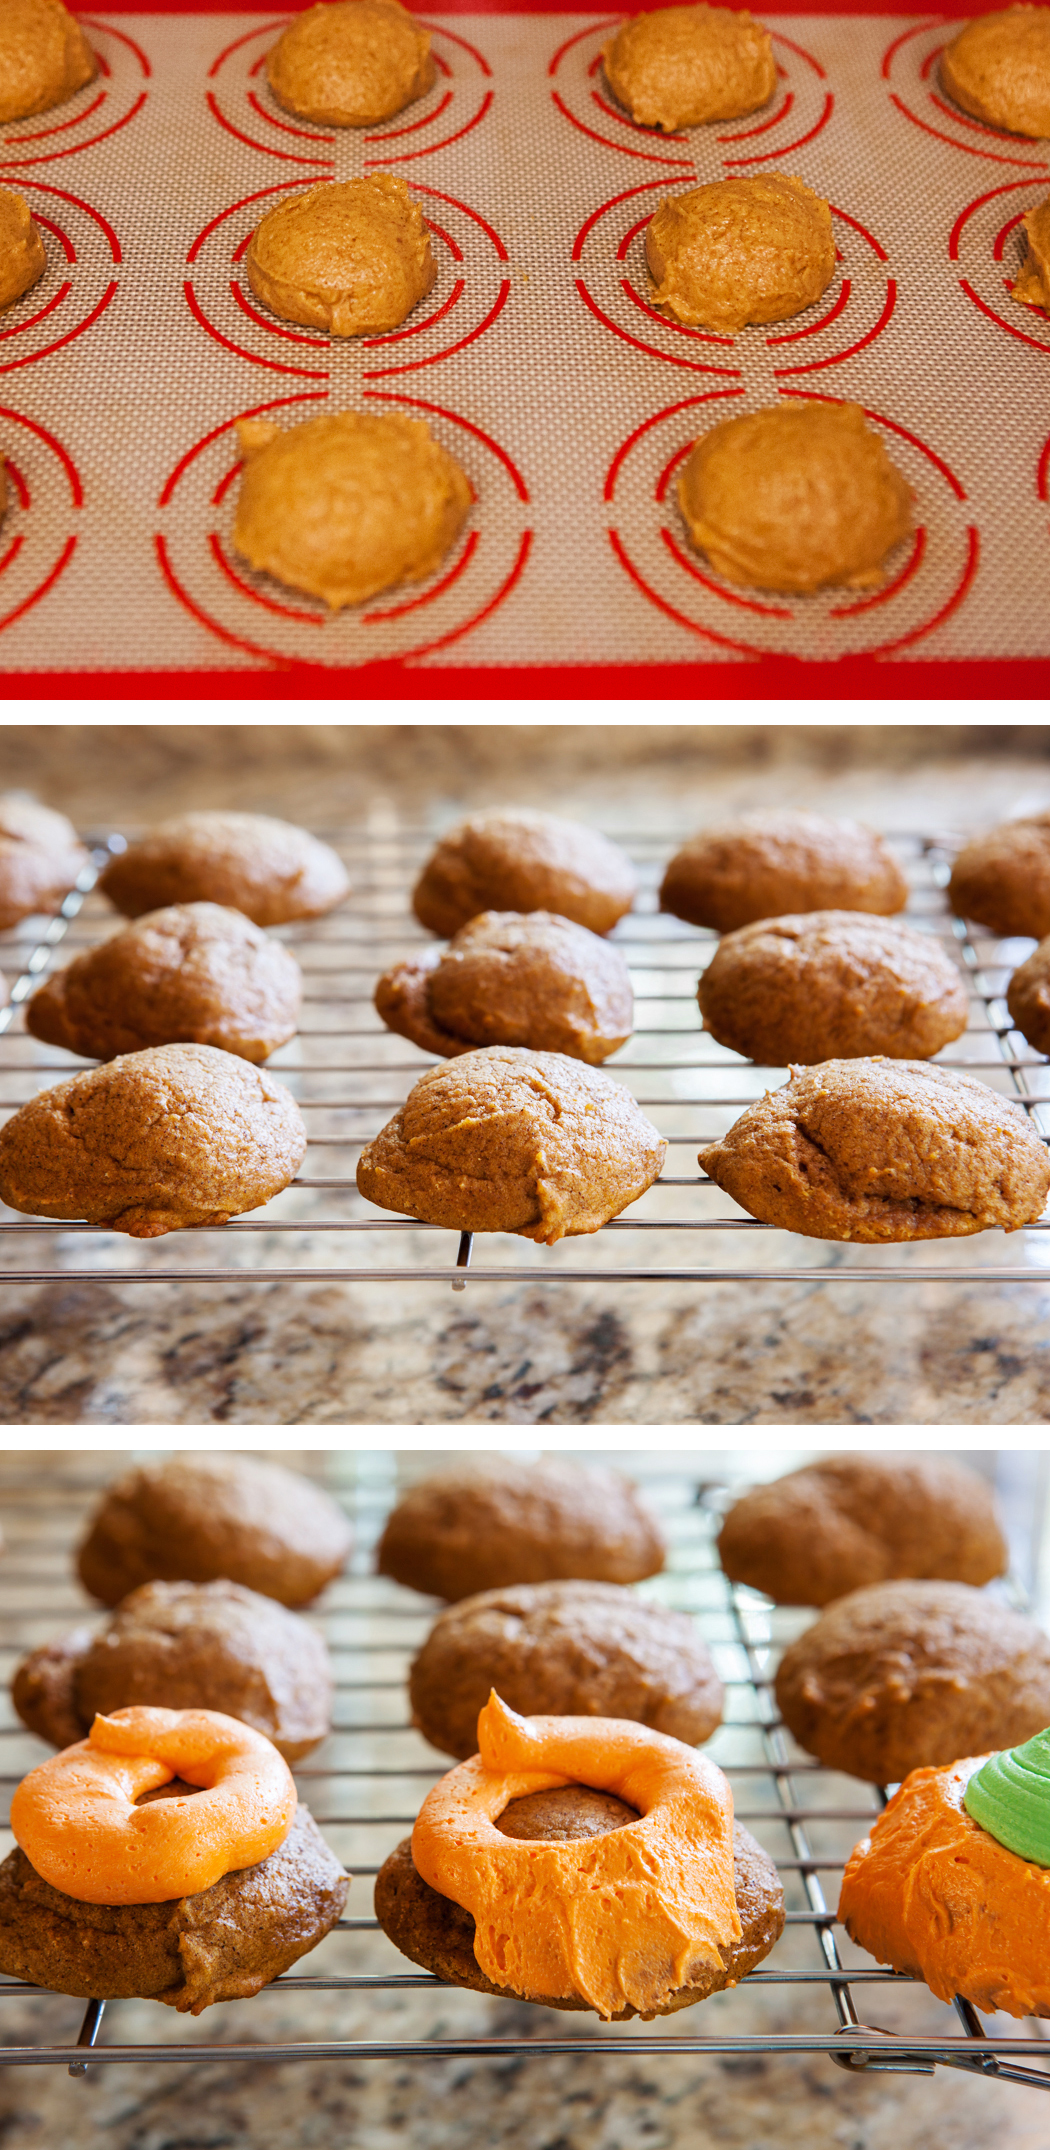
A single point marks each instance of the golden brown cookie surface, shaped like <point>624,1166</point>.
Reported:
<point>352,257</point>
<point>998,68</point>
<point>739,251</point>
<point>513,978</point>
<point>268,869</point>
<point>829,985</point>
<point>1033,283</point>
<point>683,66</point>
<point>202,1518</point>
<point>22,256</point>
<point>350,63</point>
<point>767,864</point>
<point>40,855</point>
<point>524,861</point>
<point>44,57</point>
<point>464,1530</point>
<point>796,497</point>
<point>1028,998</point>
<point>1002,879</point>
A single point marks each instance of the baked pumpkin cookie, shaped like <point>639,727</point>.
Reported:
<point>1033,283</point>
<point>513,978</point>
<point>1028,998</point>
<point>739,251</point>
<point>682,66</point>
<point>347,504</point>
<point>777,861</point>
<point>998,69</point>
<point>352,257</point>
<point>797,497</point>
<point>524,861</point>
<point>204,1518</point>
<point>883,1150</point>
<point>904,1675</point>
<point>564,1649</point>
<point>467,1530</point>
<point>41,854</point>
<point>268,869</point>
<point>22,256</point>
<point>507,1140</point>
<point>1002,879</point>
<point>829,985</point>
<point>196,973</point>
<point>846,1521</point>
<point>350,63</point>
<point>44,57</point>
<point>153,1142</point>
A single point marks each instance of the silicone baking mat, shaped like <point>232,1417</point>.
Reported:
<point>537,359</point>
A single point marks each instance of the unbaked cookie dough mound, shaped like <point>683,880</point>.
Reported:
<point>998,69</point>
<point>44,57</point>
<point>794,498</point>
<point>350,63</point>
<point>351,257</point>
<point>683,66</point>
<point>1033,283</point>
<point>347,504</point>
<point>740,251</point>
<point>22,256</point>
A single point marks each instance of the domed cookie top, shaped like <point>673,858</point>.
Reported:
<point>44,57</point>
<point>22,256</point>
<point>823,985</point>
<point>524,861</point>
<point>268,869</point>
<point>683,66</point>
<point>466,1530</point>
<point>1002,879</point>
<point>766,864</point>
<point>200,1518</point>
<point>198,973</point>
<point>350,63</point>
<point>512,978</point>
<point>352,257</point>
<point>1028,998</point>
<point>1033,283</point>
<point>40,857</point>
<point>740,250</point>
<point>998,68</point>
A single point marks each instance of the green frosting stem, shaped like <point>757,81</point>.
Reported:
<point>1010,1797</point>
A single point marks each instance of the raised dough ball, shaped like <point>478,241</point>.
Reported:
<point>998,68</point>
<point>740,250</point>
<point>1033,283</point>
<point>350,63</point>
<point>347,504</point>
<point>44,57</point>
<point>353,258</point>
<point>22,256</point>
<point>795,497</point>
<point>685,65</point>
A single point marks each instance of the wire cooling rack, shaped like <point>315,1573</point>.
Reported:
<point>350,1074</point>
<point>366,1783</point>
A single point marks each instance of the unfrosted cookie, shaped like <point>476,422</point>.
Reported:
<point>780,860</point>
<point>795,497</point>
<point>871,1150</point>
<point>683,66</point>
<point>998,68</point>
<point>487,1527</point>
<point>1002,879</point>
<point>196,973</point>
<point>829,985</point>
<point>351,257</point>
<point>739,251</point>
<point>44,57</point>
<point>22,256</point>
<point>154,1142</point>
<point>846,1521</point>
<point>513,978</point>
<point>1033,282</point>
<point>202,1518</point>
<point>41,855</point>
<point>507,1140</point>
<point>524,861</point>
<point>268,869</point>
<point>347,504</point>
<point>1028,998</point>
<point>350,63</point>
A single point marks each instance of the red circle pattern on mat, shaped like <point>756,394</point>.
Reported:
<point>986,246</point>
<point>77,285</point>
<point>928,576</point>
<point>910,69</point>
<point>257,615</point>
<point>471,291</point>
<point>100,109</point>
<point>38,534</point>
<point>240,100</point>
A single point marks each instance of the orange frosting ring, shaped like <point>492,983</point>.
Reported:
<point>620,1920</point>
<point>76,1820</point>
<point>931,1892</point>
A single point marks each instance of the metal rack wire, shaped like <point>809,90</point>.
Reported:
<point>349,1074</point>
<point>365,1785</point>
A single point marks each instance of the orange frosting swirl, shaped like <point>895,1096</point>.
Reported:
<point>931,1892</point>
<point>76,1820</point>
<point>622,1920</point>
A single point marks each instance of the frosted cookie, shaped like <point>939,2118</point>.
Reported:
<point>350,63</point>
<point>524,861</point>
<point>1033,283</point>
<point>512,978</point>
<point>682,66</point>
<point>40,852</point>
<point>353,258</point>
<point>268,869</point>
<point>998,68</point>
<point>348,504</point>
<point>22,256</point>
<point>795,497</point>
<point>44,57</point>
<point>739,251</point>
